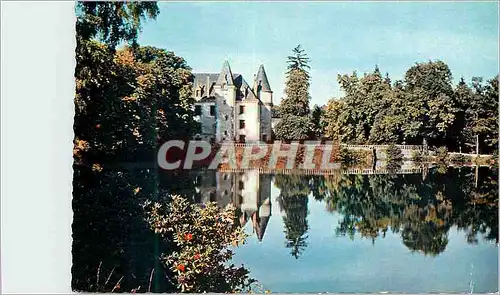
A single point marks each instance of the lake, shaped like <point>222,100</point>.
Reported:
<point>430,231</point>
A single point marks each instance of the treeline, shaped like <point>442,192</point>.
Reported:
<point>127,100</point>
<point>425,107</point>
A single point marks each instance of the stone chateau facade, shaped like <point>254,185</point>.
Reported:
<point>229,109</point>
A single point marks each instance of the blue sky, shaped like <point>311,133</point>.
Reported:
<point>339,37</point>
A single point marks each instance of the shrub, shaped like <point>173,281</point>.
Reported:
<point>417,156</point>
<point>394,157</point>
<point>441,153</point>
<point>460,159</point>
<point>204,235</point>
<point>393,153</point>
<point>352,157</point>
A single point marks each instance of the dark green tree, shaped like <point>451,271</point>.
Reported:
<point>431,105</point>
<point>295,105</point>
<point>113,22</point>
<point>316,123</point>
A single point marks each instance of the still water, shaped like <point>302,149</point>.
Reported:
<point>429,231</point>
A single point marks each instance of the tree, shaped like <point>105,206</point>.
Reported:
<point>330,119</point>
<point>113,22</point>
<point>431,103</point>
<point>425,106</point>
<point>365,98</point>
<point>295,105</point>
<point>481,115</point>
<point>292,127</point>
<point>129,100</point>
<point>316,123</point>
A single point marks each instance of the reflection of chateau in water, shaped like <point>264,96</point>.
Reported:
<point>249,192</point>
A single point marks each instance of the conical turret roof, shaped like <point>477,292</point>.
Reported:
<point>261,82</point>
<point>225,76</point>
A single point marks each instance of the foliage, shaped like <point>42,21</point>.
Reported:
<point>112,244</point>
<point>417,156</point>
<point>203,236</point>
<point>294,107</point>
<point>424,106</point>
<point>329,122</point>
<point>351,157</point>
<point>393,153</point>
<point>298,61</point>
<point>291,127</point>
<point>441,153</point>
<point>460,159</point>
<point>113,22</point>
<point>316,123</point>
<point>394,157</point>
<point>127,101</point>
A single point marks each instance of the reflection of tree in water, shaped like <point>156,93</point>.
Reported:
<point>293,201</point>
<point>479,210</point>
<point>426,229</point>
<point>422,209</point>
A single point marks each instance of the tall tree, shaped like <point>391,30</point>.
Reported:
<point>481,115</point>
<point>431,102</point>
<point>294,107</point>
<point>113,22</point>
<point>364,99</point>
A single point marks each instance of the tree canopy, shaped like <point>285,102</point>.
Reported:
<point>294,107</point>
<point>426,105</point>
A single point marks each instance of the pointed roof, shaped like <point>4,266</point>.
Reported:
<point>261,80</point>
<point>225,76</point>
<point>262,228</point>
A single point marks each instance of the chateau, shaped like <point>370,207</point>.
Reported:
<point>228,109</point>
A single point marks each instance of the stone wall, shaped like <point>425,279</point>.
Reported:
<point>265,122</point>
<point>252,122</point>
<point>207,121</point>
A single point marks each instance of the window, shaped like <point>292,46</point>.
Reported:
<point>242,110</point>
<point>242,138</point>
<point>241,185</point>
<point>225,132</point>
<point>212,110</point>
<point>225,117</point>
<point>197,110</point>
<point>242,124</point>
